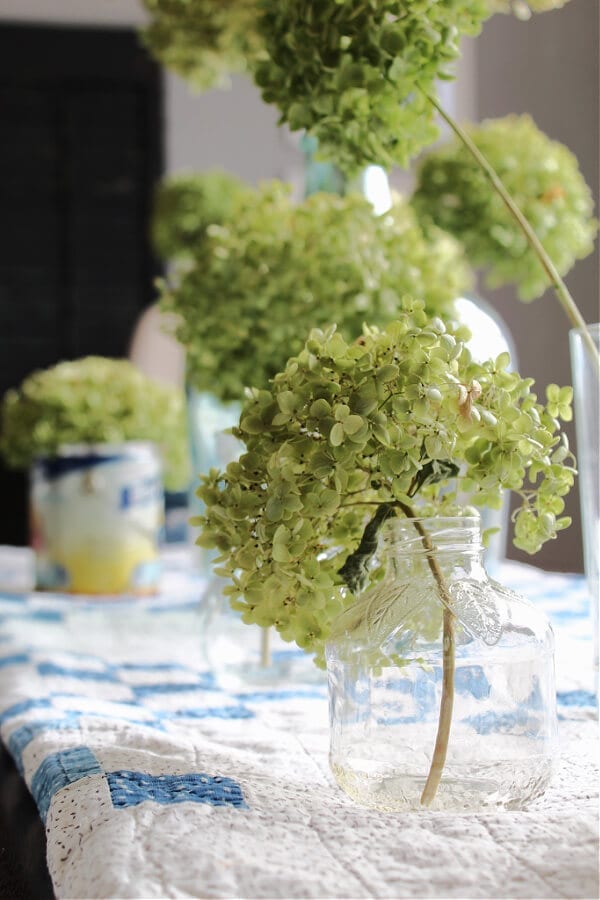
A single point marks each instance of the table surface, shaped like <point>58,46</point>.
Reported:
<point>153,781</point>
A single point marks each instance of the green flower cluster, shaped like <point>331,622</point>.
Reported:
<point>186,204</point>
<point>203,40</point>
<point>350,428</point>
<point>542,177</point>
<point>351,72</point>
<point>93,401</point>
<point>261,281</point>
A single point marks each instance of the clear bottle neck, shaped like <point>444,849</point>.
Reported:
<point>454,542</point>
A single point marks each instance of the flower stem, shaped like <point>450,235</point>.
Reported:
<point>562,292</point>
<point>438,759</point>
<point>265,648</point>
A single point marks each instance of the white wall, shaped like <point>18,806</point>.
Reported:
<point>232,129</point>
<point>74,12</point>
<point>549,67</point>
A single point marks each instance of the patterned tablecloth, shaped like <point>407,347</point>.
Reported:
<point>154,782</point>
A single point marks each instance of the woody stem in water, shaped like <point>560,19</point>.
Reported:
<point>448,664</point>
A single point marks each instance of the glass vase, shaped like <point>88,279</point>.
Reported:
<point>211,446</point>
<point>441,682</point>
<point>242,655</point>
<point>490,336</point>
<point>586,386</point>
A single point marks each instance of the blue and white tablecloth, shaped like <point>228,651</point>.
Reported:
<point>155,782</point>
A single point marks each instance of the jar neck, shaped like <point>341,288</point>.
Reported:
<point>454,542</point>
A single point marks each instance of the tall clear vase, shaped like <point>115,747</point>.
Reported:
<point>586,385</point>
<point>211,446</point>
<point>490,336</point>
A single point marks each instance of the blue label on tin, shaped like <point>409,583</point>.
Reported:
<point>56,467</point>
<point>147,490</point>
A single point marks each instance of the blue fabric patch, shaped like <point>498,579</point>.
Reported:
<point>213,712</point>
<point>46,615</point>
<point>577,698</point>
<point>472,680</point>
<point>70,717</point>
<point>288,654</point>
<point>206,682</point>
<point>132,788</point>
<point>153,667</point>
<point>396,720</point>
<point>503,723</point>
<point>16,659</point>
<point>562,615</point>
<point>24,706</point>
<point>184,606</point>
<point>22,736</point>
<point>37,615</point>
<point>58,770</point>
<point>48,668</point>
<point>260,696</point>
<point>13,596</point>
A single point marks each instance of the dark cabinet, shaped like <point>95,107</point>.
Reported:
<point>80,151</point>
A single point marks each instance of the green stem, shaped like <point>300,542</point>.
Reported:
<point>440,750</point>
<point>562,292</point>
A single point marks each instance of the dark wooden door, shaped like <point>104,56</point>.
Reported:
<point>80,149</point>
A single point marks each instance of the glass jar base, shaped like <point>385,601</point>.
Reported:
<point>286,668</point>
<point>497,785</point>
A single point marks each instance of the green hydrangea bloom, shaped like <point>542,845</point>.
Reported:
<point>261,281</point>
<point>186,204</point>
<point>349,72</point>
<point>346,428</point>
<point>94,400</point>
<point>544,180</point>
<point>203,40</point>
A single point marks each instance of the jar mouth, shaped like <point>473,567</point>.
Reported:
<point>443,532</point>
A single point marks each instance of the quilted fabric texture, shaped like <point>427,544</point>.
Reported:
<point>153,781</point>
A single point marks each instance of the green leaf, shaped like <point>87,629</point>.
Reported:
<point>274,509</point>
<point>352,424</point>
<point>336,435</point>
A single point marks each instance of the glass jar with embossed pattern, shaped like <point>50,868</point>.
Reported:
<point>441,681</point>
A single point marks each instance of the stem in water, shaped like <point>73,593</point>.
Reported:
<point>448,664</point>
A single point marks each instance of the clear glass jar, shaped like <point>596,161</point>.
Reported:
<point>242,655</point>
<point>436,655</point>
<point>490,336</point>
<point>211,446</point>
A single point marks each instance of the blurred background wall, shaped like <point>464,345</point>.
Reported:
<point>548,67</point>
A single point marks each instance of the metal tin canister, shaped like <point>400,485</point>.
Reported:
<point>96,514</point>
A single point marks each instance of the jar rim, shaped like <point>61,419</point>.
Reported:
<point>442,530</point>
<point>465,521</point>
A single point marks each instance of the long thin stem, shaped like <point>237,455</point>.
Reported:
<point>438,760</point>
<point>562,292</point>
<point>265,648</point>
<point>440,750</point>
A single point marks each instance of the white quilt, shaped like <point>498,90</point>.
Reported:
<point>154,782</point>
